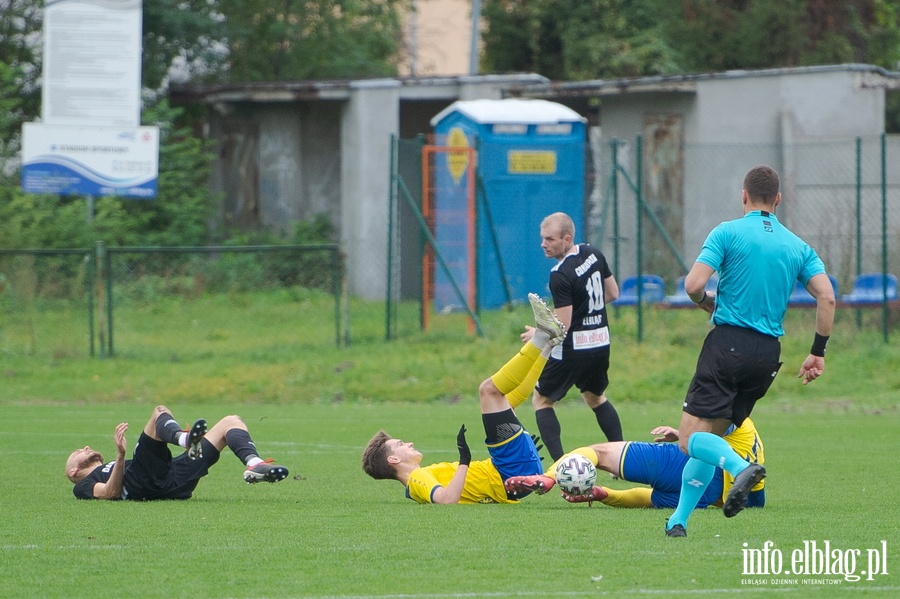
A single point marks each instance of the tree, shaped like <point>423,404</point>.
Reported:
<point>20,70</point>
<point>312,39</point>
<point>576,39</point>
<point>184,32</point>
<point>579,39</point>
<point>739,34</point>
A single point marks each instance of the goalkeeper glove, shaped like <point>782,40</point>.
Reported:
<point>465,456</point>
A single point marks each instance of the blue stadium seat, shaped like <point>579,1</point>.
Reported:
<point>801,297</point>
<point>869,289</point>
<point>680,299</point>
<point>653,290</point>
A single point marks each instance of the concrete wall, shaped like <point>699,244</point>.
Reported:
<point>802,124</point>
<point>438,38</point>
<point>368,121</point>
<point>325,147</point>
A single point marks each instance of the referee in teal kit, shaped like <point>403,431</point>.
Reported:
<point>758,259</point>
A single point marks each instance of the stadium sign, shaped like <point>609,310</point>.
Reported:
<point>94,161</point>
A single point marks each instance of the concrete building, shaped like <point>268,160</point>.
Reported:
<point>288,151</point>
<point>701,133</point>
<point>438,39</point>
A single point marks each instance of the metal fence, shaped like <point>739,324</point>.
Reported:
<point>46,302</point>
<point>650,204</point>
<point>102,300</point>
<point>842,196</point>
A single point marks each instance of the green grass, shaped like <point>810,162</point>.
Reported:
<point>330,531</point>
<point>280,348</point>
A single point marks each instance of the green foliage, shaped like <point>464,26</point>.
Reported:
<point>178,216</point>
<point>11,111</point>
<point>312,40</point>
<point>186,30</point>
<point>20,59</point>
<point>575,39</point>
<point>579,39</point>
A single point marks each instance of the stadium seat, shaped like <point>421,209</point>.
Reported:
<point>680,299</point>
<point>869,289</point>
<point>653,290</point>
<point>801,297</point>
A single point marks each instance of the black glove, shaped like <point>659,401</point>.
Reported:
<point>465,456</point>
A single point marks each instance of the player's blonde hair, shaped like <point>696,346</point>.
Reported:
<point>561,223</point>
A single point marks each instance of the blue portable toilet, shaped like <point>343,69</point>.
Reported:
<point>531,163</point>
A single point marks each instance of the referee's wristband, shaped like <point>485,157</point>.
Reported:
<point>702,299</point>
<point>818,346</point>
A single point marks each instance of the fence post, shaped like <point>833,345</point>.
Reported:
<point>639,197</point>
<point>390,239</point>
<point>614,184</point>
<point>89,259</point>
<point>858,220</point>
<point>99,255</point>
<point>884,233</point>
<point>107,259</point>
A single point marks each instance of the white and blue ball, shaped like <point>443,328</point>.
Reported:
<point>576,475</point>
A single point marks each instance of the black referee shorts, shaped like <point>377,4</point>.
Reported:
<point>736,367</point>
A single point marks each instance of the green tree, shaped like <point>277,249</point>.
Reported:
<point>184,31</point>
<point>579,39</point>
<point>20,70</point>
<point>177,216</point>
<point>312,39</point>
<point>737,34</point>
<point>575,39</point>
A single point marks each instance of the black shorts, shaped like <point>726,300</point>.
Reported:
<point>736,367</point>
<point>585,369</point>
<point>155,474</point>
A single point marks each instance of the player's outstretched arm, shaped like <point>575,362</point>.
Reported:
<point>453,491</point>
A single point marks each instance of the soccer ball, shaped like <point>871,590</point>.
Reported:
<point>576,475</point>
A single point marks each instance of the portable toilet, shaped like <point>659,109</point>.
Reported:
<point>530,163</point>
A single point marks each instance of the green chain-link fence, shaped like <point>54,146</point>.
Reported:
<point>651,203</point>
<point>46,303</point>
<point>173,300</point>
<point>842,196</point>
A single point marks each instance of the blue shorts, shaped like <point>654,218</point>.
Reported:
<point>516,456</point>
<point>659,465</point>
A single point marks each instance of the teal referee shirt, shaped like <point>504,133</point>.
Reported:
<point>758,259</point>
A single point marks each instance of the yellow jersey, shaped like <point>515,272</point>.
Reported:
<point>483,483</point>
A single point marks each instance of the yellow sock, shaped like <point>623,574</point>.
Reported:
<point>587,452</point>
<point>511,375</point>
<point>636,497</point>
<point>518,395</point>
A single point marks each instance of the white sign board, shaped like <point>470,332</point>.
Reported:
<point>92,63</point>
<point>97,161</point>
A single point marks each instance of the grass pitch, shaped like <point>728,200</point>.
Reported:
<point>330,531</point>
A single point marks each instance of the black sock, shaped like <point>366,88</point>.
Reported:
<point>608,419</point>
<point>167,429</point>
<point>548,425</point>
<point>240,443</point>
